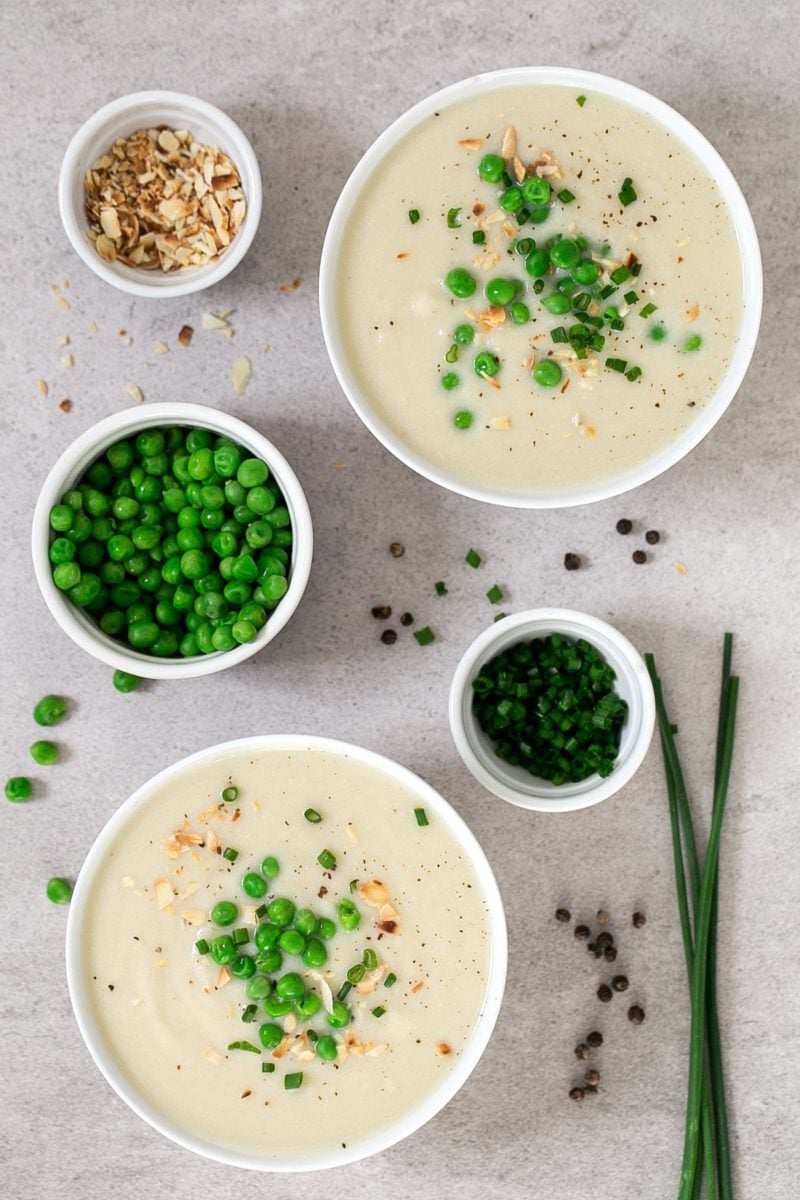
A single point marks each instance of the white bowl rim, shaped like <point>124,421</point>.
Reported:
<point>86,447</point>
<point>741,218</point>
<point>392,1134</point>
<point>540,621</point>
<point>197,279</point>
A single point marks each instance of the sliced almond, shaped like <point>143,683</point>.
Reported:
<point>375,893</point>
<point>443,1050</point>
<point>211,1056</point>
<point>109,221</point>
<point>163,892</point>
<point>693,313</point>
<point>42,387</point>
<point>185,335</point>
<point>241,374</point>
<point>223,977</point>
<point>500,423</point>
<point>193,916</point>
<point>509,147</point>
<point>471,143</point>
<point>211,321</point>
<point>134,392</point>
<point>681,568</point>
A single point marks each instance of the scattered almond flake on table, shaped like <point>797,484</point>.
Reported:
<point>293,286</point>
<point>212,321</point>
<point>62,302</point>
<point>91,327</point>
<point>42,387</point>
<point>67,361</point>
<point>134,392</point>
<point>241,373</point>
<point>65,405</point>
<point>63,340</point>
<point>160,348</point>
<point>185,335</point>
<point>681,568</point>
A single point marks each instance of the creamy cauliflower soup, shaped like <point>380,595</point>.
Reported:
<point>286,952</point>
<point>539,289</point>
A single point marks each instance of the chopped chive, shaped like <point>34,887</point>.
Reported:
<point>453,218</point>
<point>580,101</point>
<point>353,886</point>
<point>473,558</point>
<point>425,636</point>
<point>312,1035</point>
<point>566,196</point>
<point>607,291</point>
<point>229,794</point>
<point>478,237</point>
<point>378,1011</point>
<point>240,937</point>
<point>631,298</point>
<point>267,1068</point>
<point>230,854</point>
<point>581,302</point>
<point>261,911</point>
<point>422,817</point>
<point>202,946</point>
<point>327,860</point>
<point>452,354</point>
<point>356,973</point>
<point>597,341</point>
<point>293,1081</point>
<point>345,990</point>
<point>249,1013</point>
<point>313,816</point>
<point>617,364</point>
<point>694,342</point>
<point>499,617</point>
<point>633,374</point>
<point>620,275</point>
<point>494,594</point>
<point>538,286</point>
<point>413,215</point>
<point>559,334</point>
<point>636,269</point>
<point>617,323</point>
<point>244,1046</point>
<point>390,980</point>
<point>626,194</point>
<point>647,310</point>
<point>370,959</point>
<point>441,588</point>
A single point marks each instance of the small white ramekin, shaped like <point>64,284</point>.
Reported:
<point>514,783</point>
<point>80,626</point>
<point>80,992</point>
<point>333,318</point>
<point>146,110</point>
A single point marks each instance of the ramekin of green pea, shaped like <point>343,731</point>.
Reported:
<point>552,709</point>
<point>172,541</point>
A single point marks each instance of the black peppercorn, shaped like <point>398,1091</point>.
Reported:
<point>397,549</point>
<point>595,1039</point>
<point>602,917</point>
<point>635,1014</point>
<point>605,939</point>
<point>406,619</point>
<point>590,1089</point>
<point>563,915</point>
<point>639,556</point>
<point>582,933</point>
<point>639,919</point>
<point>582,1052</point>
<point>610,953</point>
<point>620,983</point>
<point>624,525</point>
<point>576,1093</point>
<point>389,637</point>
<point>572,561</point>
<point>652,537</point>
<point>593,950</point>
<point>382,612</point>
<point>604,993</point>
<point>592,1077</point>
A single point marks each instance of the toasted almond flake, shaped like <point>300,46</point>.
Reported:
<point>67,361</point>
<point>471,143</point>
<point>193,916</point>
<point>160,347</point>
<point>212,321</point>
<point>491,381</point>
<point>683,242</point>
<point>42,386</point>
<point>351,833</point>
<point>223,977</point>
<point>290,287</point>
<point>163,892</point>
<point>519,169</point>
<point>376,893</point>
<point>591,432</point>
<point>509,147</point>
<point>134,392</point>
<point>62,302</point>
<point>485,262</point>
<point>185,335</point>
<point>211,1056</point>
<point>65,405</point>
<point>282,1047</point>
<point>403,254</point>
<point>289,1023</point>
<point>136,1001</point>
<point>500,423</point>
<point>212,841</point>
<point>417,987</point>
<point>172,849</point>
<point>325,993</point>
<point>306,1056</point>
<point>376,1048</point>
<point>443,1050</point>
<point>168,141</point>
<point>681,568</point>
<point>370,981</point>
<point>91,327</point>
<point>214,810</point>
<point>161,965</point>
<point>495,217</point>
<point>63,340</point>
<point>341,1052</point>
<point>693,313</point>
<point>241,374</point>
<point>183,838</point>
<point>387,913</point>
<point>190,888</point>
<point>127,882</point>
<point>243,1095</point>
<point>491,317</point>
<point>109,222</point>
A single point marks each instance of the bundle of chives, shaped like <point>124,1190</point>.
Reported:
<point>706,1115</point>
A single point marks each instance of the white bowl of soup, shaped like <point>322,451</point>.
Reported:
<point>540,287</point>
<point>286,952</point>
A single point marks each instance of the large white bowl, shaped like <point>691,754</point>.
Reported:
<point>79,625</point>
<point>579,81</point>
<point>146,110</point>
<point>515,784</point>
<point>468,1059</point>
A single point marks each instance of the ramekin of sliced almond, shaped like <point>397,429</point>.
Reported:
<point>160,194</point>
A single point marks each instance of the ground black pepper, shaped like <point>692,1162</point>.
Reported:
<point>652,537</point>
<point>572,561</point>
<point>389,637</point>
<point>639,556</point>
<point>563,915</point>
<point>604,993</point>
<point>624,525</point>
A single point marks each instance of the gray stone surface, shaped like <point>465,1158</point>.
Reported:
<point>312,84</point>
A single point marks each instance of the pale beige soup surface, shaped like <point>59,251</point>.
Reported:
<point>168,1014</point>
<point>397,318</point>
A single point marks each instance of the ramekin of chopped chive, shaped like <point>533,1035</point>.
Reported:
<point>552,709</point>
<point>172,541</point>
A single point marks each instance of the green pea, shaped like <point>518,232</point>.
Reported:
<point>188,518</point>
<point>226,460</point>
<point>96,504</point>
<point>119,547</point>
<point>258,988</point>
<point>59,891</point>
<point>537,263</point>
<point>253,613</point>
<point>279,518</point>
<point>348,914</point>
<point>260,500</point>
<point>536,192</point>
<point>126,593</point>
<point>143,634</point>
<point>524,246</point>
<point>326,1046</point>
<point>547,373</point>
<point>565,254</point>
<point>150,441</point>
<point>166,644</point>
<point>281,912</point>
<point>315,954</point>
<point>499,291</point>
<point>270,868</point>
<point>269,961</point>
<point>45,753</point>
<point>62,550</point>
<point>270,1035</point>
<point>195,564</point>
<point>511,199</point>
<point>245,569</point>
<point>182,598</point>
<point>188,646</point>
<point>450,380</point>
<point>224,912</point>
<point>267,936</point>
<point>252,472</point>
<point>223,950</point>
<point>223,639</point>
<point>460,283</point>
<point>139,612</point>
<point>308,1006</point>
<point>18,789</point>
<point>66,575</point>
<point>520,313</point>
<point>197,439</point>
<point>86,590</point>
<point>258,534</point>
<point>290,986</point>
<point>586,273</point>
<point>235,494</point>
<point>491,168</point>
<point>254,885</point>
<point>201,464</point>
<point>150,487</point>
<point>538,215</point>
<point>305,921</point>
<point>212,518</point>
<point>463,419</point>
<point>326,928</point>
<point>243,966</point>
<point>113,621</point>
<point>244,632</point>
<point>203,636</point>
<point>283,537</point>
<point>464,335</point>
<point>557,303</point>
<point>486,363</point>
<point>136,563</point>
<point>62,517</point>
<point>278,1006</point>
<point>292,942</point>
<point>125,682</point>
<point>339,1017</point>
